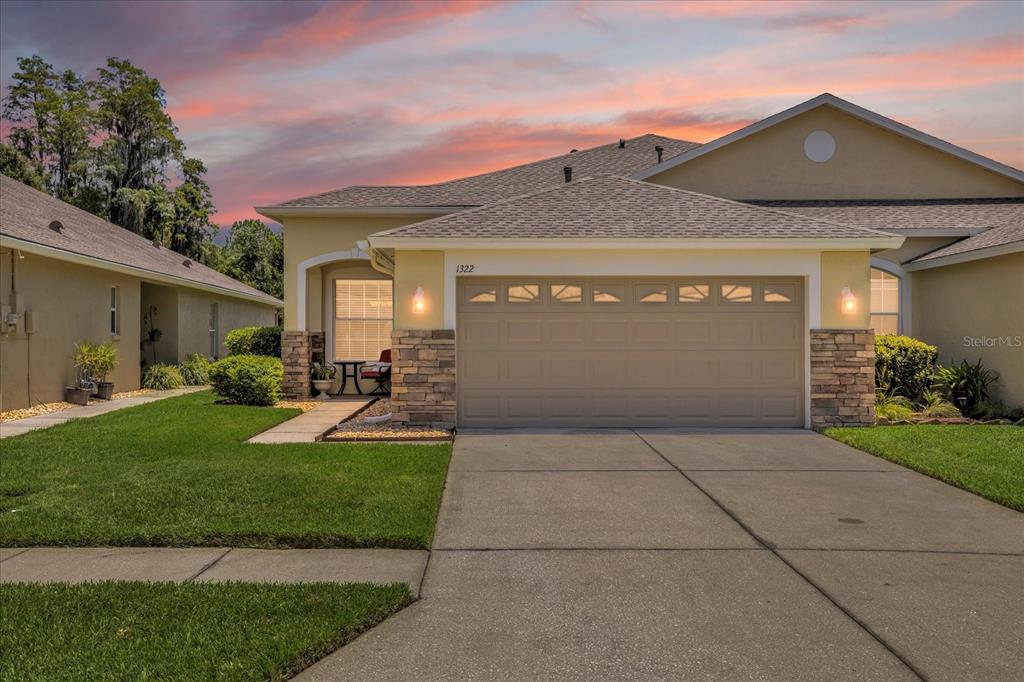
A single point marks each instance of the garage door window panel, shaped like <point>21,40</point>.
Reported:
<point>523,293</point>
<point>695,293</point>
<point>651,293</point>
<point>609,293</point>
<point>736,293</point>
<point>480,293</point>
<point>566,293</point>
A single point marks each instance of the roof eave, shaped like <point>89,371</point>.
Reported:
<point>278,213</point>
<point>873,242</point>
<point>828,99</point>
<point>80,259</point>
<point>965,256</point>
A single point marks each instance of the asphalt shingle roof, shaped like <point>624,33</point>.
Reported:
<point>638,153</point>
<point>1010,233</point>
<point>614,207</point>
<point>914,214</point>
<point>26,214</point>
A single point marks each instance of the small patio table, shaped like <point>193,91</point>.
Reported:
<point>344,366</point>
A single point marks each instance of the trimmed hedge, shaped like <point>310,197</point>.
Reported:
<point>254,341</point>
<point>162,377</point>
<point>248,379</point>
<point>903,365</point>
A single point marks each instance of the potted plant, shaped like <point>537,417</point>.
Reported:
<point>84,385</point>
<point>98,360</point>
<point>323,378</point>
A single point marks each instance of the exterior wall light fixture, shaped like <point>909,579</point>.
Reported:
<point>849,302</point>
<point>418,303</point>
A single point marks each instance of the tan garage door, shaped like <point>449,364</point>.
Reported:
<point>630,352</point>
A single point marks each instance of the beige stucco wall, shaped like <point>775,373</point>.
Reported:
<point>971,311</point>
<point>306,238</point>
<point>414,269</point>
<point>165,300</point>
<point>72,303</point>
<point>845,269</point>
<point>194,320</point>
<point>869,163</point>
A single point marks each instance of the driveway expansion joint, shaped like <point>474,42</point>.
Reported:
<point>771,548</point>
<point>27,549</point>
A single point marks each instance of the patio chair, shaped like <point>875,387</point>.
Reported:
<point>379,371</point>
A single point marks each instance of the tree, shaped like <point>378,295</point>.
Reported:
<point>139,137</point>
<point>16,165</point>
<point>255,255</point>
<point>28,105</point>
<point>193,205</point>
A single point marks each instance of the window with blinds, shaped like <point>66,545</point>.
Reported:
<point>362,318</point>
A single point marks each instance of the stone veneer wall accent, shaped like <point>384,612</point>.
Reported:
<point>842,377</point>
<point>299,350</point>
<point>423,376</point>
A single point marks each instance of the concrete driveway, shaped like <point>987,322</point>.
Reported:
<point>716,555</point>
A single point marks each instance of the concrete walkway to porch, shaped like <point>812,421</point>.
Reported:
<point>308,426</point>
<point>212,564</point>
<point>19,426</point>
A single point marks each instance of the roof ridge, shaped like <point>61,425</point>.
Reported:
<point>453,181</point>
<point>762,208</point>
<point>500,202</point>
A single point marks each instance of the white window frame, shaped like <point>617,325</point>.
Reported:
<point>335,318</point>
<point>895,271</point>
<point>214,331</point>
<point>115,310</point>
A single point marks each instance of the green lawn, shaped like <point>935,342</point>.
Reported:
<point>986,460</point>
<point>177,472</point>
<point>166,631</point>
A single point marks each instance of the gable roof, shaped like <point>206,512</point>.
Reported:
<point>609,208</point>
<point>638,152</point>
<point>1007,238</point>
<point>830,100</point>
<point>912,217</point>
<point>26,214</point>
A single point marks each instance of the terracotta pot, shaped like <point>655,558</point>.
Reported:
<point>77,396</point>
<point>104,390</point>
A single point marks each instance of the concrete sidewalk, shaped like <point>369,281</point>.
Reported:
<point>659,555</point>
<point>211,564</point>
<point>20,426</point>
<point>309,426</point>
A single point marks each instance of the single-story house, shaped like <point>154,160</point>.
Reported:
<point>68,276</point>
<point>659,282</point>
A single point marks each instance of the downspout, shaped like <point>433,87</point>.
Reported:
<point>379,261</point>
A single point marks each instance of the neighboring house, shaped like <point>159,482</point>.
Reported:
<point>658,282</point>
<point>68,276</point>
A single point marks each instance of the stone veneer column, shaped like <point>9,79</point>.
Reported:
<point>842,377</point>
<point>299,350</point>
<point>423,376</point>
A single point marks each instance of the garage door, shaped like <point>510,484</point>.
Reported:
<point>630,352</point>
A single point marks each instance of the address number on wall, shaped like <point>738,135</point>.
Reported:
<point>459,269</point>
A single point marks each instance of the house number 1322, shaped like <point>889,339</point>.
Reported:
<point>463,268</point>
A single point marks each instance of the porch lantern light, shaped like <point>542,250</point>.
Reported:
<point>849,302</point>
<point>418,303</point>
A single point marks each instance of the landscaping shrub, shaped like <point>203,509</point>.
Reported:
<point>254,341</point>
<point>894,409</point>
<point>248,379</point>
<point>162,377</point>
<point>942,410</point>
<point>195,371</point>
<point>903,365</point>
<point>967,381</point>
<point>96,360</point>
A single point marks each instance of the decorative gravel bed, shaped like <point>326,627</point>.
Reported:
<point>358,429</point>
<point>48,408</point>
<point>304,405</point>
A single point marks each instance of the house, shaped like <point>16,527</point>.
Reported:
<point>68,276</point>
<point>659,282</point>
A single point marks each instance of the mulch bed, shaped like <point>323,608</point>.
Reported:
<point>357,429</point>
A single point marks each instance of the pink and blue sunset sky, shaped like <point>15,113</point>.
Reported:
<point>286,99</point>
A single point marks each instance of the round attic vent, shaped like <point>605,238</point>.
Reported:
<point>819,146</point>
